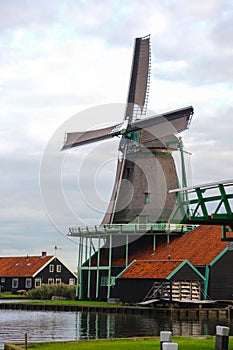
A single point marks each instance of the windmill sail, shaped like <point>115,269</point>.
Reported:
<point>161,125</point>
<point>146,163</point>
<point>139,80</point>
<point>179,119</point>
<point>138,91</point>
<point>75,139</point>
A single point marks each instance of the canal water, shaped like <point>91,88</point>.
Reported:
<point>58,326</point>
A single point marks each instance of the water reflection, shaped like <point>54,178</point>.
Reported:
<point>57,326</point>
<point>120,325</point>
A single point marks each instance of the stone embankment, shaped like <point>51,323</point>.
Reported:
<point>177,313</point>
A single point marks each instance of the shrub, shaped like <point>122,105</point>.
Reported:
<point>46,291</point>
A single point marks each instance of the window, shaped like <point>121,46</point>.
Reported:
<point>113,280</point>
<point>3,280</point>
<point>104,281</point>
<point>15,282</point>
<point>58,268</point>
<point>58,280</point>
<point>50,280</point>
<point>28,283</point>
<point>37,282</point>
<point>147,197</point>
<point>71,281</point>
<point>51,268</point>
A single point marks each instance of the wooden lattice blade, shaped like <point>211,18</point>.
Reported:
<point>165,124</point>
<point>75,139</point>
<point>140,71</point>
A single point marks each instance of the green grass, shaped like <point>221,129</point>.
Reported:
<point>184,343</point>
<point>58,302</point>
<point>12,296</point>
<point>72,302</point>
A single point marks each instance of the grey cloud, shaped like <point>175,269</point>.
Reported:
<point>19,12</point>
<point>210,142</point>
<point>193,48</point>
<point>204,43</point>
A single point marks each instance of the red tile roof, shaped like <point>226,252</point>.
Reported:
<point>22,266</point>
<point>199,247</point>
<point>150,269</point>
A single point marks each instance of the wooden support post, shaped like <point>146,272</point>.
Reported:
<point>109,266</point>
<point>89,271</point>
<point>154,242</point>
<point>26,341</point>
<point>98,272</point>
<point>80,268</point>
<point>126,250</point>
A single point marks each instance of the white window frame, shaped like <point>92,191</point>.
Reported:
<point>28,283</point>
<point>50,280</point>
<point>37,282</point>
<point>15,283</point>
<point>103,281</point>
<point>71,281</point>
<point>51,268</point>
<point>58,281</point>
<point>58,267</point>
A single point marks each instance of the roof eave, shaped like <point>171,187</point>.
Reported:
<point>42,267</point>
<point>218,256</point>
<point>180,266</point>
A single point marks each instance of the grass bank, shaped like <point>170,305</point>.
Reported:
<point>72,302</point>
<point>194,343</point>
<point>12,296</point>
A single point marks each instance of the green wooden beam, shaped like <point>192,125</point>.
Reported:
<point>110,266</point>
<point>206,283</point>
<point>225,200</point>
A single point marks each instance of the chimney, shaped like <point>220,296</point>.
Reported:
<point>43,254</point>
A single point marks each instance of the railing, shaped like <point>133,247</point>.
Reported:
<point>207,204</point>
<point>131,228</point>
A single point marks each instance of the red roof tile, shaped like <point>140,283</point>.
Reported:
<point>150,269</point>
<point>200,247</point>
<point>22,266</point>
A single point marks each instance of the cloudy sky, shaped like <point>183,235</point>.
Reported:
<point>59,62</point>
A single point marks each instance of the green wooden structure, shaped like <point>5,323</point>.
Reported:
<point>92,238</point>
<point>207,204</point>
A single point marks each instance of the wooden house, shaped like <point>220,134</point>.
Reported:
<point>195,266</point>
<point>28,272</point>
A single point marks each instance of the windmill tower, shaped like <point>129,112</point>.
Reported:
<point>145,173</point>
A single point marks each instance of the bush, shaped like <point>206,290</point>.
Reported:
<point>46,291</point>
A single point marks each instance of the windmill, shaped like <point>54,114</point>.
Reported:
<point>146,170</point>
